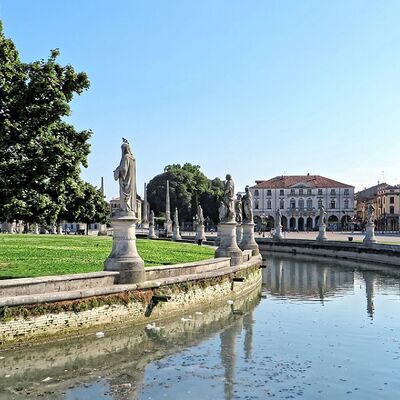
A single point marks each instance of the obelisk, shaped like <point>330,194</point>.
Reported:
<point>168,221</point>
<point>145,212</point>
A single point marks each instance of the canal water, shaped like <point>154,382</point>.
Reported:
<point>317,329</point>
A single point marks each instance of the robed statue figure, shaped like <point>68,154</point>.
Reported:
<point>126,175</point>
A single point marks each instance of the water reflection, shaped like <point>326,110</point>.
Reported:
<point>324,330</point>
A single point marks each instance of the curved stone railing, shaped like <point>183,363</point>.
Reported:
<point>378,253</point>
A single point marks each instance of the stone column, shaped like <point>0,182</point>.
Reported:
<point>370,237</point>
<point>124,256</point>
<point>248,241</point>
<point>168,221</point>
<point>239,234</point>
<point>228,246</point>
<point>145,212</point>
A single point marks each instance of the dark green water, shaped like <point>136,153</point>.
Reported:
<point>321,330</point>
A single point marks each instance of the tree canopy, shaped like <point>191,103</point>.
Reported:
<point>41,155</point>
<point>188,187</point>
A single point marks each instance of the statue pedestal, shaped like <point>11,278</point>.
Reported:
<point>322,234</point>
<point>145,224</point>
<point>239,234</point>
<point>151,234</point>
<point>248,241</point>
<point>370,237</point>
<point>168,229</point>
<point>278,233</point>
<point>200,235</point>
<point>124,257</point>
<point>176,235</point>
<point>228,246</point>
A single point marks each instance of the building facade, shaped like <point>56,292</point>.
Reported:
<point>298,197</point>
<point>387,208</point>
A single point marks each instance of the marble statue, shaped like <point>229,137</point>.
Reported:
<point>238,209</point>
<point>247,201</point>
<point>125,173</point>
<point>151,222</point>
<point>200,215</point>
<point>221,211</point>
<point>322,214</point>
<point>278,218</point>
<point>371,213</point>
<point>229,199</point>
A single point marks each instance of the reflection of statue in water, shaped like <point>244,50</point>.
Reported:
<point>322,214</point>
<point>371,214</point>
<point>126,175</point>
<point>238,209</point>
<point>247,201</point>
<point>229,200</point>
<point>200,215</point>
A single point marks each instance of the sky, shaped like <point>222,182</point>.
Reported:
<point>251,88</point>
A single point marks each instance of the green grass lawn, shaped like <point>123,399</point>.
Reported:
<point>39,255</point>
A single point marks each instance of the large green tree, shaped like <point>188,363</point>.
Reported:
<point>40,154</point>
<point>188,187</point>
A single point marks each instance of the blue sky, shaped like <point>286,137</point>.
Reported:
<point>251,88</point>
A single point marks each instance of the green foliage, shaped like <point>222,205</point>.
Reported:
<point>39,255</point>
<point>188,187</point>
<point>40,154</point>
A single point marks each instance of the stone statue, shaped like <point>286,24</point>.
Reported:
<point>229,199</point>
<point>151,222</point>
<point>247,201</point>
<point>322,214</point>
<point>221,211</point>
<point>278,218</point>
<point>238,209</point>
<point>371,214</point>
<point>200,215</point>
<point>126,175</point>
<point>176,218</point>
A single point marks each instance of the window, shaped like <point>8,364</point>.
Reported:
<point>309,203</point>
<point>301,203</point>
<point>256,192</point>
<point>256,204</point>
<point>301,192</point>
<point>346,203</point>
<point>281,192</point>
<point>333,203</point>
<point>346,192</point>
<point>391,208</point>
<point>269,192</point>
<point>281,204</point>
<point>320,192</point>
<point>309,191</point>
<point>292,191</point>
<point>292,203</point>
<point>333,191</point>
<point>269,204</point>
<point>319,203</point>
<point>391,200</point>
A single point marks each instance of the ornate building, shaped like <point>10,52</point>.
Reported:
<point>299,197</point>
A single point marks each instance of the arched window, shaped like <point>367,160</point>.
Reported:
<point>319,203</point>
<point>281,204</point>
<point>309,203</point>
<point>292,203</point>
<point>301,203</point>
<point>269,204</point>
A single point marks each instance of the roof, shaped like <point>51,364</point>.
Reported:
<point>308,181</point>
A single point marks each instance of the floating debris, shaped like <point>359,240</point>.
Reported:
<point>100,334</point>
<point>49,378</point>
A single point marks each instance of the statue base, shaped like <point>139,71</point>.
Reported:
<point>176,235</point>
<point>151,234</point>
<point>145,225</point>
<point>239,234</point>
<point>370,237</point>
<point>322,234</point>
<point>200,235</point>
<point>124,257</point>
<point>168,229</point>
<point>248,241</point>
<point>228,246</point>
<point>278,233</point>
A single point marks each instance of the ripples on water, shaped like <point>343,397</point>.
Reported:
<point>321,330</point>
